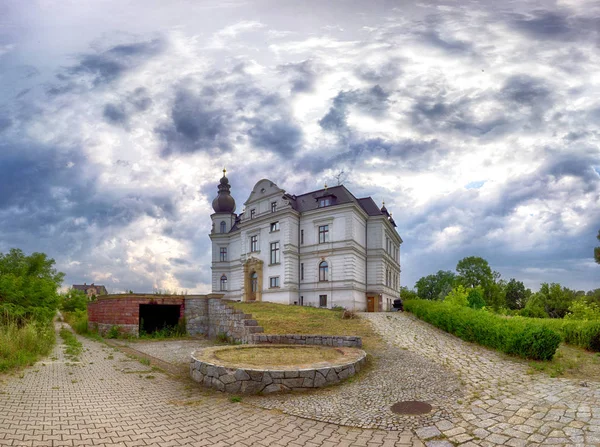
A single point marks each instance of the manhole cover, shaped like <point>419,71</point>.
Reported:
<point>411,407</point>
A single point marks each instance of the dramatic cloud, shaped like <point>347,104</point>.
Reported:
<point>477,125</point>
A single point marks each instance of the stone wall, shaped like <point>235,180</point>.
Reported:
<point>294,339</point>
<point>255,381</point>
<point>231,323</point>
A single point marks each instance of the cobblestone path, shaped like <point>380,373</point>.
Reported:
<point>110,399</point>
<point>502,404</point>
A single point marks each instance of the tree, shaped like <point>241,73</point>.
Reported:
<point>73,300</point>
<point>407,294</point>
<point>597,250</point>
<point>475,298</point>
<point>516,294</point>
<point>435,287</point>
<point>28,285</point>
<point>474,271</point>
<point>555,299</point>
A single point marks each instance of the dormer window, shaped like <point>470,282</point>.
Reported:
<point>326,201</point>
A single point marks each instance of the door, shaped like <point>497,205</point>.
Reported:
<point>253,286</point>
<point>370,304</point>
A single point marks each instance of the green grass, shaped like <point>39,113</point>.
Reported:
<point>284,319</point>
<point>23,345</point>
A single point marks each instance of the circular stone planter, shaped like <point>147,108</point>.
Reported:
<point>206,368</point>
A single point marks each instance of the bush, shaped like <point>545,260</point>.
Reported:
<point>585,334</point>
<point>475,298</point>
<point>78,320</point>
<point>457,296</point>
<point>515,336</point>
<point>73,300</point>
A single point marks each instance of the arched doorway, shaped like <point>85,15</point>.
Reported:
<point>253,280</point>
<point>253,286</point>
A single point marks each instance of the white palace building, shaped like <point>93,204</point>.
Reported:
<point>324,248</point>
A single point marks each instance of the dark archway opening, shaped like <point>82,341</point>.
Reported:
<point>154,317</point>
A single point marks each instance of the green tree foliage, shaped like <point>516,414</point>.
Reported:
<point>475,298</point>
<point>582,309</point>
<point>534,307</point>
<point>516,294</point>
<point>474,271</point>
<point>597,250</point>
<point>28,285</point>
<point>73,300</point>
<point>457,296</point>
<point>435,287</point>
<point>407,294</point>
<point>555,299</point>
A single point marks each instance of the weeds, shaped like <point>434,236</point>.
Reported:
<point>73,347</point>
<point>22,344</point>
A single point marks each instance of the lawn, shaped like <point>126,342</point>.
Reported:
<point>284,319</point>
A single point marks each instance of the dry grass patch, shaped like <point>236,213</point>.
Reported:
<point>276,357</point>
<point>284,319</point>
<point>571,362</point>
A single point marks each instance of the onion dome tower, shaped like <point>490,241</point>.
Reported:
<point>224,203</point>
<point>224,217</point>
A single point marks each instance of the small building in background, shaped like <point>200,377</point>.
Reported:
<point>91,290</point>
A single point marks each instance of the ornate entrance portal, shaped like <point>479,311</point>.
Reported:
<point>253,280</point>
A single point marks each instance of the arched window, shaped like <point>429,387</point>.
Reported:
<point>223,227</point>
<point>254,281</point>
<point>223,283</point>
<point>323,270</point>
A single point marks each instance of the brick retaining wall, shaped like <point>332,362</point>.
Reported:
<point>123,311</point>
<point>205,315</point>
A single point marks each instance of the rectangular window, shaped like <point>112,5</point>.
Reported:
<point>253,243</point>
<point>223,256</point>
<point>252,213</point>
<point>302,270</point>
<point>274,226</point>
<point>322,300</point>
<point>274,252</point>
<point>273,207</point>
<point>324,202</point>
<point>301,237</point>
<point>323,234</point>
<point>274,282</point>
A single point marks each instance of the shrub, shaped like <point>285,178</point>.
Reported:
<point>73,300</point>
<point>113,332</point>
<point>475,298</point>
<point>78,320</point>
<point>585,334</point>
<point>521,337</point>
<point>457,296</point>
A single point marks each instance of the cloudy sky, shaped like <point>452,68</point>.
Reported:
<point>476,122</point>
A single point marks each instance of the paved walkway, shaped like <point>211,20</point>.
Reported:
<point>110,399</point>
<point>503,403</point>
